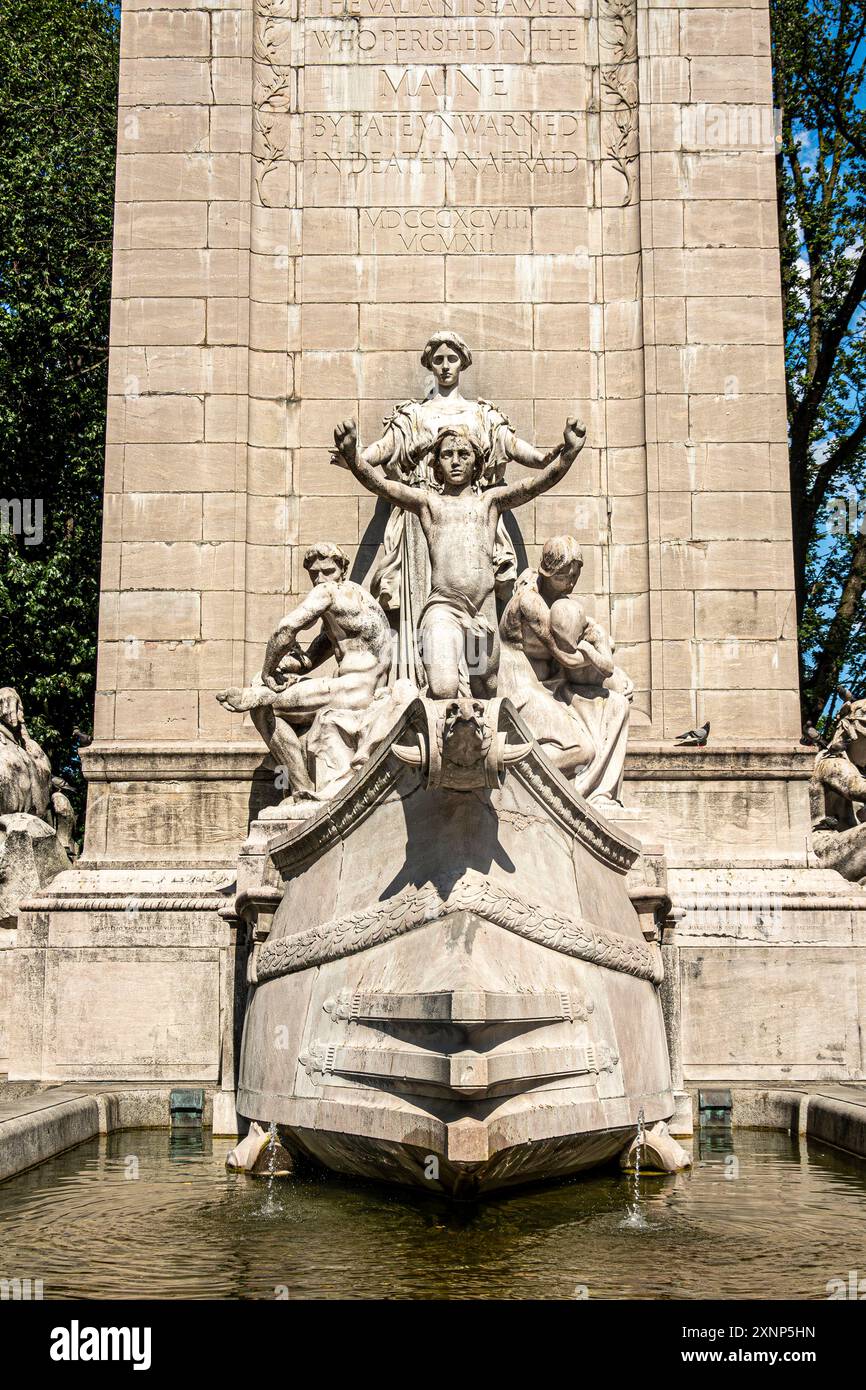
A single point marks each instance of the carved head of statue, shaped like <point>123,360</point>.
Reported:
<point>464,734</point>
<point>326,562</point>
<point>11,708</point>
<point>849,736</point>
<point>446,356</point>
<point>561,563</point>
<point>457,458</point>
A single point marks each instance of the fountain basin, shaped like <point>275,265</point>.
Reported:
<point>761,1214</point>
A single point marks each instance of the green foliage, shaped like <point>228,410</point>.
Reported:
<point>58,94</point>
<point>819,67</point>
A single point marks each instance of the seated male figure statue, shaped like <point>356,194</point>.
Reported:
<point>458,645</point>
<point>25,772</point>
<point>341,711</point>
<point>558,670</point>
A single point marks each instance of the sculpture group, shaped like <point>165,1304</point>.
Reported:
<point>37,821</point>
<point>837,795</point>
<point>426,618</point>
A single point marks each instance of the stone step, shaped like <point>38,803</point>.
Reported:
<point>466,1007</point>
<point>465,1073</point>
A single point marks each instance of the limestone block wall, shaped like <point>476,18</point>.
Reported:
<point>306,188</point>
<point>177,489</point>
<point>719,492</point>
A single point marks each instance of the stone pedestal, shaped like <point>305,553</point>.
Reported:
<point>114,985</point>
<point>764,950</point>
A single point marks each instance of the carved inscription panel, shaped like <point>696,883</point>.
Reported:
<point>459,106</point>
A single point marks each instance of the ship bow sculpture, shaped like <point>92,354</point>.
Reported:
<point>456,988</point>
<point>455,967</point>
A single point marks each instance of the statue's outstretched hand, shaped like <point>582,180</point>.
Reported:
<point>574,436</point>
<point>279,682</point>
<point>345,444</point>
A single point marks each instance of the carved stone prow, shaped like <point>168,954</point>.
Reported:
<point>471,979</point>
<point>461,745</point>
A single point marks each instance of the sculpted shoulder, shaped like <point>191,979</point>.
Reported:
<point>499,416</point>
<point>525,605</point>
<point>402,411</point>
<point>531,604</point>
<point>349,594</point>
<point>332,589</point>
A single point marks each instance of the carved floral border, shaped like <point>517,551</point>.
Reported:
<point>273,89</point>
<point>619,96</point>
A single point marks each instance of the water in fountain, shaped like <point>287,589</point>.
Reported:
<point>271,1206</point>
<point>799,1221</point>
<point>634,1219</point>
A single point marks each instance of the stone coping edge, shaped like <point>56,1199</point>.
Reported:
<point>53,1120</point>
<point>59,1118</point>
<point>209,761</point>
<point>834,1115</point>
<point>839,1123</point>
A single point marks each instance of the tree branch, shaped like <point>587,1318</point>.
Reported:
<point>827,669</point>
<point>831,338</point>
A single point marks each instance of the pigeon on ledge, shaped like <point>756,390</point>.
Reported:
<point>695,738</point>
<point>812,738</point>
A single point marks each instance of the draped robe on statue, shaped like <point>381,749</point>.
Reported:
<point>400,577</point>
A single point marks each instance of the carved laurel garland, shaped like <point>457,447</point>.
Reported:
<point>535,776</point>
<point>618,33</point>
<point>343,814</point>
<point>272,90</point>
<point>414,907</point>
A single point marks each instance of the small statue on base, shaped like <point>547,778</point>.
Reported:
<point>37,821</point>
<point>341,716</point>
<point>837,796</point>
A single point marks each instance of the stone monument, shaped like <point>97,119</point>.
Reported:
<point>462,979</point>
<point>580,195</point>
<point>37,825</point>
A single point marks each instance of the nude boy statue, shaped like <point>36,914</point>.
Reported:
<point>342,711</point>
<point>459,646</point>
